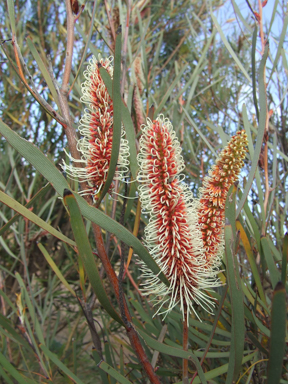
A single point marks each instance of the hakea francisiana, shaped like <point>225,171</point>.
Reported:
<point>173,234</point>
<point>176,235</point>
<point>212,196</point>
<point>96,128</point>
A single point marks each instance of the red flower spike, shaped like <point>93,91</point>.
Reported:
<point>173,235</point>
<point>96,128</point>
<point>213,195</point>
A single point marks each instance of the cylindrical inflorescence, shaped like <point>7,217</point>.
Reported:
<point>172,236</point>
<point>96,129</point>
<point>212,197</point>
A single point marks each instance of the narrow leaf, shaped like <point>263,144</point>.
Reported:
<point>229,48</point>
<point>261,130</point>
<point>40,193</point>
<point>278,334</point>
<point>34,156</point>
<point>251,259</point>
<point>280,46</point>
<point>13,371</point>
<point>117,101</point>
<point>112,372</point>
<point>128,124</point>
<point>274,273</point>
<point>55,269</point>
<point>44,71</point>
<point>172,351</point>
<point>85,252</point>
<point>284,259</point>
<point>254,74</point>
<point>11,12</point>
<point>236,294</point>
<point>10,202</point>
<point>60,365</point>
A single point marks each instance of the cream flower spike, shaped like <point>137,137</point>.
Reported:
<point>173,236</point>
<point>96,129</point>
<point>212,196</point>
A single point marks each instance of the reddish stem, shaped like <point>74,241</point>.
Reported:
<point>185,348</point>
<point>131,332</point>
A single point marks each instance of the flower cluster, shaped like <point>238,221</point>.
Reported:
<point>184,235</point>
<point>213,196</point>
<point>177,236</point>
<point>96,129</point>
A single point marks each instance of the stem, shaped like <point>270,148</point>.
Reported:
<point>217,316</point>
<point>261,27</point>
<point>185,348</point>
<point>110,22</point>
<point>63,97</point>
<point>131,332</point>
<point>69,48</point>
<point>125,47</point>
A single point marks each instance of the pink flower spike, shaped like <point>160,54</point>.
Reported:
<point>96,128</point>
<point>213,195</point>
<point>173,236</point>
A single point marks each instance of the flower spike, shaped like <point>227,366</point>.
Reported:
<point>213,195</point>
<point>173,235</point>
<point>96,128</point>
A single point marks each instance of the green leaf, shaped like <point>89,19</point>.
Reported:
<point>87,41</point>
<point>97,359</point>
<point>278,334</point>
<point>253,60</point>
<point>229,48</point>
<point>5,376</point>
<point>34,156</point>
<point>260,132</point>
<point>44,71</point>
<point>274,273</point>
<point>130,135</point>
<point>113,373</point>
<point>172,351</point>
<point>251,259</point>
<point>117,102</point>
<point>10,202</point>
<point>11,333</point>
<point>284,259</point>
<point>40,193</point>
<point>56,269</point>
<point>170,89</point>
<point>86,254</point>
<point>11,12</point>
<point>8,301</point>
<point>60,365</point>
<point>104,221</point>
<point>214,373</point>
<point>13,371</point>
<point>240,16</point>
<point>236,294</point>
<point>194,125</point>
<point>128,124</point>
<point>280,46</point>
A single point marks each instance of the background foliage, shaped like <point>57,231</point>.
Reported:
<point>210,74</point>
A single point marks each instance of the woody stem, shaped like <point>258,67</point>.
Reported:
<point>185,348</point>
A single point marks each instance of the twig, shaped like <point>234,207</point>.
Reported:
<point>217,316</point>
<point>261,27</point>
<point>131,332</point>
<point>185,348</point>
<point>86,308</point>
<point>125,47</point>
<point>69,48</point>
<point>110,22</point>
<point>33,90</point>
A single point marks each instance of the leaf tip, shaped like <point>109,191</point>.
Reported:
<point>279,287</point>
